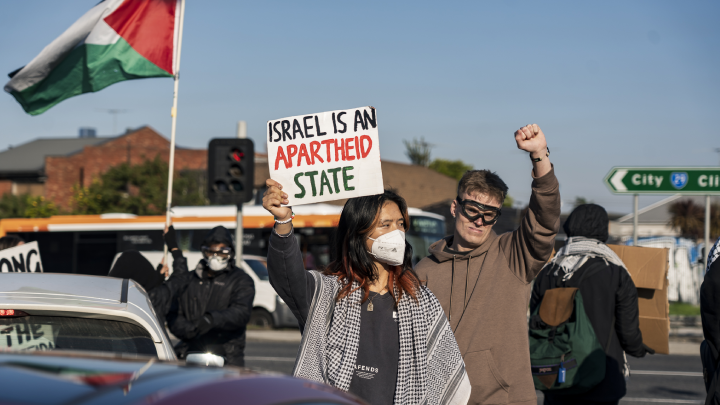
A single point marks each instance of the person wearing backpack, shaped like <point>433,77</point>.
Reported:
<point>584,315</point>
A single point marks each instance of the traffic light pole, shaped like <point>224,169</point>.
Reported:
<point>241,133</point>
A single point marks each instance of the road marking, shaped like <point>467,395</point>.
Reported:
<point>250,358</point>
<point>663,401</point>
<point>673,373</point>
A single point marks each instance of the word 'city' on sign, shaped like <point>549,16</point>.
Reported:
<point>326,156</point>
<point>664,180</point>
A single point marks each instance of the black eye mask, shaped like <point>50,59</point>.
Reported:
<point>473,210</point>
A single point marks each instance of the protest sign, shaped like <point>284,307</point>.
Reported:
<point>24,258</point>
<point>326,156</point>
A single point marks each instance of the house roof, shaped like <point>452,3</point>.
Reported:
<point>659,212</point>
<point>30,157</point>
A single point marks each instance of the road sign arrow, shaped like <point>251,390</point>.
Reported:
<point>616,180</point>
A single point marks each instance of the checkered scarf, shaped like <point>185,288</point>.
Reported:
<point>430,369</point>
<point>577,251</point>
<point>713,255</point>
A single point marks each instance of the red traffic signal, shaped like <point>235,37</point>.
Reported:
<point>237,155</point>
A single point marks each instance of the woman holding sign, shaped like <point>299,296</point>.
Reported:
<point>369,327</point>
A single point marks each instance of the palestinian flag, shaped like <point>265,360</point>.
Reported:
<point>116,40</point>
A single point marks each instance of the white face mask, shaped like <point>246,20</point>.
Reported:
<point>389,248</point>
<point>217,263</point>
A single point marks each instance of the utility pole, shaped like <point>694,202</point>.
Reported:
<point>241,133</point>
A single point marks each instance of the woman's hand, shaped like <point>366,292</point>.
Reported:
<point>272,201</point>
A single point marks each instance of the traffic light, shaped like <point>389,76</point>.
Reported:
<point>231,170</point>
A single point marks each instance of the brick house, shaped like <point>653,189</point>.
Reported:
<point>51,167</point>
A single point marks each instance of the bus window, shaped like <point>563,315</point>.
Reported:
<point>423,232</point>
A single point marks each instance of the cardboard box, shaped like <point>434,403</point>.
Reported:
<point>648,268</point>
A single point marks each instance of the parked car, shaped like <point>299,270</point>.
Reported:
<point>54,378</point>
<point>269,311</point>
<point>51,311</point>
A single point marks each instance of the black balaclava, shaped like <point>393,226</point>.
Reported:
<point>588,220</point>
<point>133,265</point>
<point>220,234</point>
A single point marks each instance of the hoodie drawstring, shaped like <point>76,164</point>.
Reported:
<point>452,284</point>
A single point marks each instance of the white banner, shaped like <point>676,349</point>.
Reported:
<point>326,156</point>
<point>21,259</point>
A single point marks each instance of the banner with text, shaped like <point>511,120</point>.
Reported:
<point>21,259</point>
<point>326,156</point>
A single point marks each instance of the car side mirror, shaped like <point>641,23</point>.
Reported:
<point>205,359</point>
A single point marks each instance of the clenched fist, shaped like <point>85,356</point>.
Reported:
<point>530,138</point>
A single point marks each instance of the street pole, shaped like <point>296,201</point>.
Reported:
<point>708,244</point>
<point>241,133</point>
<point>636,198</point>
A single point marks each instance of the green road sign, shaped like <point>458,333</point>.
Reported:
<point>664,180</point>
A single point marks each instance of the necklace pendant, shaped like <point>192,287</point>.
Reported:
<point>370,307</point>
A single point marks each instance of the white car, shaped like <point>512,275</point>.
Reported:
<point>46,311</point>
<point>269,310</point>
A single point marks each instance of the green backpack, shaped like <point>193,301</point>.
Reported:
<point>565,353</point>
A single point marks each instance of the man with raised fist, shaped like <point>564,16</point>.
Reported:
<point>482,279</point>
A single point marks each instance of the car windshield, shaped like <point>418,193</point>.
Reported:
<point>29,333</point>
<point>259,268</point>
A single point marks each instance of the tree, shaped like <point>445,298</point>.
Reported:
<point>418,151</point>
<point>689,219</point>
<point>509,201</point>
<point>26,206</point>
<point>38,207</point>
<point>139,189</point>
<point>13,206</point>
<point>580,201</point>
<point>450,168</point>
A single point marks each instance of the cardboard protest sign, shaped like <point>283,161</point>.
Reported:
<point>24,258</point>
<point>326,156</point>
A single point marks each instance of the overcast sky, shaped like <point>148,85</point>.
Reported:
<point>610,83</point>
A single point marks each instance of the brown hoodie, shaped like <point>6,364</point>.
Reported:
<point>490,289</point>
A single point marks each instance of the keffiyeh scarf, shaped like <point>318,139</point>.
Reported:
<point>430,369</point>
<point>578,250</point>
<point>713,255</point>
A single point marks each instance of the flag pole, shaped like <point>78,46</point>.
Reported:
<point>173,114</point>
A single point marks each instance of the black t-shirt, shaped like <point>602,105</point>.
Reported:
<point>379,352</point>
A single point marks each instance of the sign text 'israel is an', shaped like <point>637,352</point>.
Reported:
<point>326,156</point>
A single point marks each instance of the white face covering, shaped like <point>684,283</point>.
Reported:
<point>389,248</point>
<point>217,263</point>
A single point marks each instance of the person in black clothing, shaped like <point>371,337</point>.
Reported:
<point>610,298</point>
<point>710,314</point>
<point>213,311</point>
<point>9,241</point>
<point>133,265</point>
<point>366,319</point>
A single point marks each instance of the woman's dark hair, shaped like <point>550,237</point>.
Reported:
<point>9,241</point>
<point>350,260</point>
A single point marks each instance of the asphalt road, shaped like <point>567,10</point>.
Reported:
<point>657,379</point>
